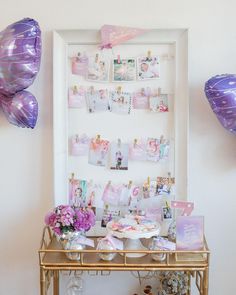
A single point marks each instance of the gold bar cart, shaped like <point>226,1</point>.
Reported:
<point>52,260</point>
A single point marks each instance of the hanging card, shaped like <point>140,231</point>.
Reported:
<point>77,192</point>
<point>153,149</point>
<point>120,102</point>
<point>119,154</point>
<point>124,70</point>
<point>98,152</point>
<point>148,67</point>
<point>98,100</point>
<point>98,68</point>
<point>76,97</point>
<point>137,150</point>
<point>80,145</point>
<point>80,65</point>
<point>158,103</point>
<point>141,98</point>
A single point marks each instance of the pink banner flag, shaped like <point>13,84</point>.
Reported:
<point>115,35</point>
<point>186,206</point>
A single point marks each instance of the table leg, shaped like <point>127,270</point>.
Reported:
<point>205,281</point>
<point>56,282</point>
<point>42,282</point>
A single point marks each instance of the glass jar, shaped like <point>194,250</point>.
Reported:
<point>153,245</point>
<point>105,244</point>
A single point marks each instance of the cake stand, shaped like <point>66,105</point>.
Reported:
<point>133,238</point>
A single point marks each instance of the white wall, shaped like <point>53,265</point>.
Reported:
<point>26,155</point>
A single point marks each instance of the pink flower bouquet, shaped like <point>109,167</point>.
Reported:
<point>65,218</point>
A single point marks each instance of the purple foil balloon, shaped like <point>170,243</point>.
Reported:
<point>20,54</point>
<point>221,93</point>
<point>21,110</point>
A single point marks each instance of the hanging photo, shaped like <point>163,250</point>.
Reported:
<point>124,70</point>
<point>120,102</point>
<point>164,148</point>
<point>137,150</point>
<point>165,185</point>
<point>166,213</point>
<point>153,149</point>
<point>79,65</point>
<point>141,98</point>
<point>94,195</point>
<point>98,152</point>
<point>77,192</point>
<point>109,214</point>
<point>98,69</point>
<point>111,194</point>
<point>119,153</point>
<point>148,67</point>
<point>80,145</point>
<point>158,103</point>
<point>76,97</point>
<point>98,100</point>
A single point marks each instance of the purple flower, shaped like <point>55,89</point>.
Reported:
<point>50,218</point>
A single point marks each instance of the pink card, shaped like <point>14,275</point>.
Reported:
<point>80,65</point>
<point>141,98</point>
<point>76,97</point>
<point>137,150</point>
<point>187,207</point>
<point>80,145</point>
<point>153,149</point>
<point>98,151</point>
<point>111,194</point>
<point>189,232</point>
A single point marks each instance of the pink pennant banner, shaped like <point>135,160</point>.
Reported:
<point>187,207</point>
<point>115,35</point>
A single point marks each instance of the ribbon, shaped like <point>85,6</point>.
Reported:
<point>116,244</point>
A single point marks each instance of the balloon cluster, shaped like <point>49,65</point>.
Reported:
<point>20,55</point>
<point>221,93</point>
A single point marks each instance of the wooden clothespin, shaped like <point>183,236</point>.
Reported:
<point>149,55</point>
<point>109,183</point>
<point>148,181</point>
<point>72,177</point>
<point>159,91</point>
<point>135,142</point>
<point>118,58</point>
<point>77,138</point>
<point>119,142</point>
<point>75,89</point>
<point>119,88</point>
<point>98,138</point>
<point>130,184</point>
<point>167,205</point>
<point>96,58</point>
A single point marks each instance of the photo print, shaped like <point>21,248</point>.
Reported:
<point>148,67</point>
<point>124,70</point>
<point>98,69</point>
<point>98,151</point>
<point>120,102</point>
<point>153,149</point>
<point>79,65</point>
<point>119,154</point>
<point>97,100</point>
<point>77,191</point>
<point>80,145</point>
<point>158,103</point>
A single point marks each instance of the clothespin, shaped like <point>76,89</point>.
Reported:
<point>96,58</point>
<point>118,58</point>
<point>72,177</point>
<point>167,205</point>
<point>148,181</point>
<point>98,137</point>
<point>109,183</point>
<point>149,55</point>
<point>159,91</point>
<point>119,88</point>
<point>135,142</point>
<point>130,184</point>
<point>143,91</point>
<point>119,142</point>
<point>75,89</point>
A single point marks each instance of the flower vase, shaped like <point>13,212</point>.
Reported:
<point>72,241</point>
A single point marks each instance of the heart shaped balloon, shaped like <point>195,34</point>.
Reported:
<point>21,110</point>
<point>20,55</point>
<point>221,93</point>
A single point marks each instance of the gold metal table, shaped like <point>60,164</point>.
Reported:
<point>52,260</point>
